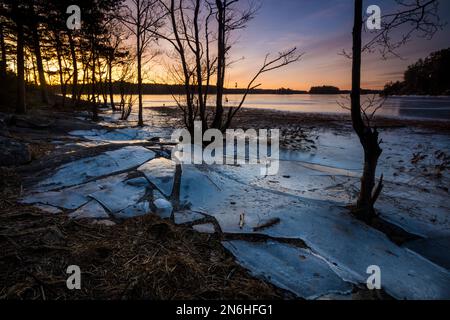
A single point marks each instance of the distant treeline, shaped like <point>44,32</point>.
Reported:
<point>147,88</point>
<point>430,76</point>
<point>336,90</point>
<point>325,90</point>
<point>132,88</point>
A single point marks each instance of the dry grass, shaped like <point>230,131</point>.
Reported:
<point>143,258</point>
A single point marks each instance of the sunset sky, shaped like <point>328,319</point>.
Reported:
<point>321,29</point>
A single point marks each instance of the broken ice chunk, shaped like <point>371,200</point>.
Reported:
<point>90,210</point>
<point>83,170</point>
<point>136,210</point>
<point>63,199</point>
<point>161,173</point>
<point>182,217</point>
<point>121,195</point>
<point>163,208</point>
<point>73,197</point>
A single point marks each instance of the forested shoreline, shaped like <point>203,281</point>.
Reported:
<point>429,76</point>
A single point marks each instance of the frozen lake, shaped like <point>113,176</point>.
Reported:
<point>404,107</point>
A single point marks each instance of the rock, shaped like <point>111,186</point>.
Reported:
<point>13,152</point>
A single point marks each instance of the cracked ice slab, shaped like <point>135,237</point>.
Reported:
<point>83,170</point>
<point>135,210</point>
<point>347,244</point>
<point>161,173</point>
<point>288,267</point>
<point>91,210</point>
<point>121,195</point>
<point>73,197</point>
<point>205,228</point>
<point>182,217</point>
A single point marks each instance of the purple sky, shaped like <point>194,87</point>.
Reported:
<point>321,29</point>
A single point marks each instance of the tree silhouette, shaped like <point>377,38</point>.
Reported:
<point>417,16</point>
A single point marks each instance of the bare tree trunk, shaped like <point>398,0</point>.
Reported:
<point>221,52</point>
<point>101,88</point>
<point>187,87</point>
<point>3,57</point>
<point>21,103</point>
<point>40,66</point>
<point>75,67</point>
<point>199,68</point>
<point>139,62</point>
<point>60,68</point>
<point>368,136</point>
<point>110,84</point>
<point>94,91</point>
<point>139,67</point>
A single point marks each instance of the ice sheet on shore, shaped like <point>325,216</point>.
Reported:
<point>289,268</point>
<point>73,197</point>
<point>187,216</point>
<point>347,244</point>
<point>83,170</point>
<point>91,210</point>
<point>135,210</point>
<point>416,210</point>
<point>205,228</point>
<point>405,205</point>
<point>343,151</point>
<point>414,198</point>
<point>122,134</point>
<point>161,173</point>
<point>121,195</point>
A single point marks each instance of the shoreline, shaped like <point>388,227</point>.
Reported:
<point>267,118</point>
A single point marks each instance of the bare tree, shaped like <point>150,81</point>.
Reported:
<point>283,59</point>
<point>126,76</point>
<point>141,17</point>
<point>418,17</point>
<point>189,33</point>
